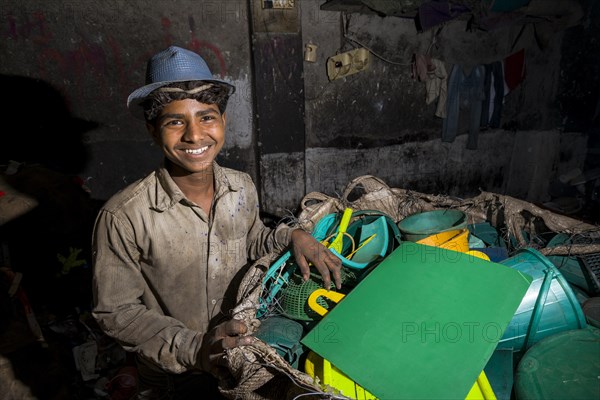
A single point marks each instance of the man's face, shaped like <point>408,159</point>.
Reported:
<point>190,134</point>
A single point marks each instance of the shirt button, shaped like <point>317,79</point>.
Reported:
<point>213,301</point>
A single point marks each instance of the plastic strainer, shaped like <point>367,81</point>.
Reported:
<point>294,296</point>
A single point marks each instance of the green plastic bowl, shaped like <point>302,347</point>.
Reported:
<point>562,366</point>
<point>421,225</point>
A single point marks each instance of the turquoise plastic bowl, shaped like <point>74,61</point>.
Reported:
<point>418,226</point>
<point>373,251</point>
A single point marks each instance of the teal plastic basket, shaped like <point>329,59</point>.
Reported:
<point>363,224</point>
<point>280,271</point>
<point>548,307</point>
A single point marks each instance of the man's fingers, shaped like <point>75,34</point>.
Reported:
<point>336,270</point>
<point>308,249</point>
<point>230,342</point>
<point>234,327</point>
<point>330,265</point>
<point>304,267</point>
<point>218,349</point>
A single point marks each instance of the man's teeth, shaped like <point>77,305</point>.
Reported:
<point>196,151</point>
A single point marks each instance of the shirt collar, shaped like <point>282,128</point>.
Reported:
<point>168,193</point>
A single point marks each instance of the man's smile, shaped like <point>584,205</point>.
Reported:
<point>196,151</point>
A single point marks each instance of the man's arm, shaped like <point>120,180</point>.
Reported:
<point>118,286</point>
<point>306,249</point>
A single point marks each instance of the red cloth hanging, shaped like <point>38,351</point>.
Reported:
<point>514,69</point>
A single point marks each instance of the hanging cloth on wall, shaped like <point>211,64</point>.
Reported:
<point>398,8</point>
<point>465,90</point>
<point>436,87</point>
<point>434,13</point>
<point>507,5</point>
<point>433,72</point>
<point>493,89</point>
<point>514,70</point>
<point>420,67</point>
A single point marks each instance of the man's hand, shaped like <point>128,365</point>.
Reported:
<point>308,250</point>
<point>222,337</point>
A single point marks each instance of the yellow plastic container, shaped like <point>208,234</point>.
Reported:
<point>328,374</point>
<point>439,238</point>
<point>481,390</point>
<point>478,254</point>
<point>457,240</point>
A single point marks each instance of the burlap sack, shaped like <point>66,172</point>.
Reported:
<point>259,372</point>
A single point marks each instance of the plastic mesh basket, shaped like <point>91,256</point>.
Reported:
<point>282,269</point>
<point>282,273</point>
<point>294,296</point>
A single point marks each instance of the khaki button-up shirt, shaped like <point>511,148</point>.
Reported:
<point>162,265</point>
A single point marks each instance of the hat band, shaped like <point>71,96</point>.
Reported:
<point>191,91</point>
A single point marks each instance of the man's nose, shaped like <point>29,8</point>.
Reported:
<point>193,132</point>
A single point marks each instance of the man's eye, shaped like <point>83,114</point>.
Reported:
<point>207,118</point>
<point>173,122</point>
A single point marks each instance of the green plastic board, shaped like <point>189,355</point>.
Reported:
<point>422,325</point>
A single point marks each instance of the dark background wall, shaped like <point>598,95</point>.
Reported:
<point>94,54</point>
<point>290,127</point>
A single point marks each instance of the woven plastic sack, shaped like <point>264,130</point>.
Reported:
<point>365,192</point>
<point>260,373</point>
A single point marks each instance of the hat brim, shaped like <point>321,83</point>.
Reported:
<point>139,95</point>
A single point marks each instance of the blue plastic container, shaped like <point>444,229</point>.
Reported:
<point>548,307</point>
<point>496,254</point>
<point>487,233</point>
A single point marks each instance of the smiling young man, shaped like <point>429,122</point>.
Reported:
<point>167,248</point>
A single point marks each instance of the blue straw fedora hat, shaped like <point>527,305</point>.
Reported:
<point>173,64</point>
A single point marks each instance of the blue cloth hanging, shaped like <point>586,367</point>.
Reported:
<point>464,91</point>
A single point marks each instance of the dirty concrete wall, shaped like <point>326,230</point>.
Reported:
<point>520,163</point>
<point>291,128</point>
<point>279,93</point>
<point>377,122</point>
<point>94,54</point>
<point>579,85</point>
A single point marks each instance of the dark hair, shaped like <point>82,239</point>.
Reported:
<point>216,94</point>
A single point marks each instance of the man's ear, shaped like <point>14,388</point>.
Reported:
<point>223,116</point>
